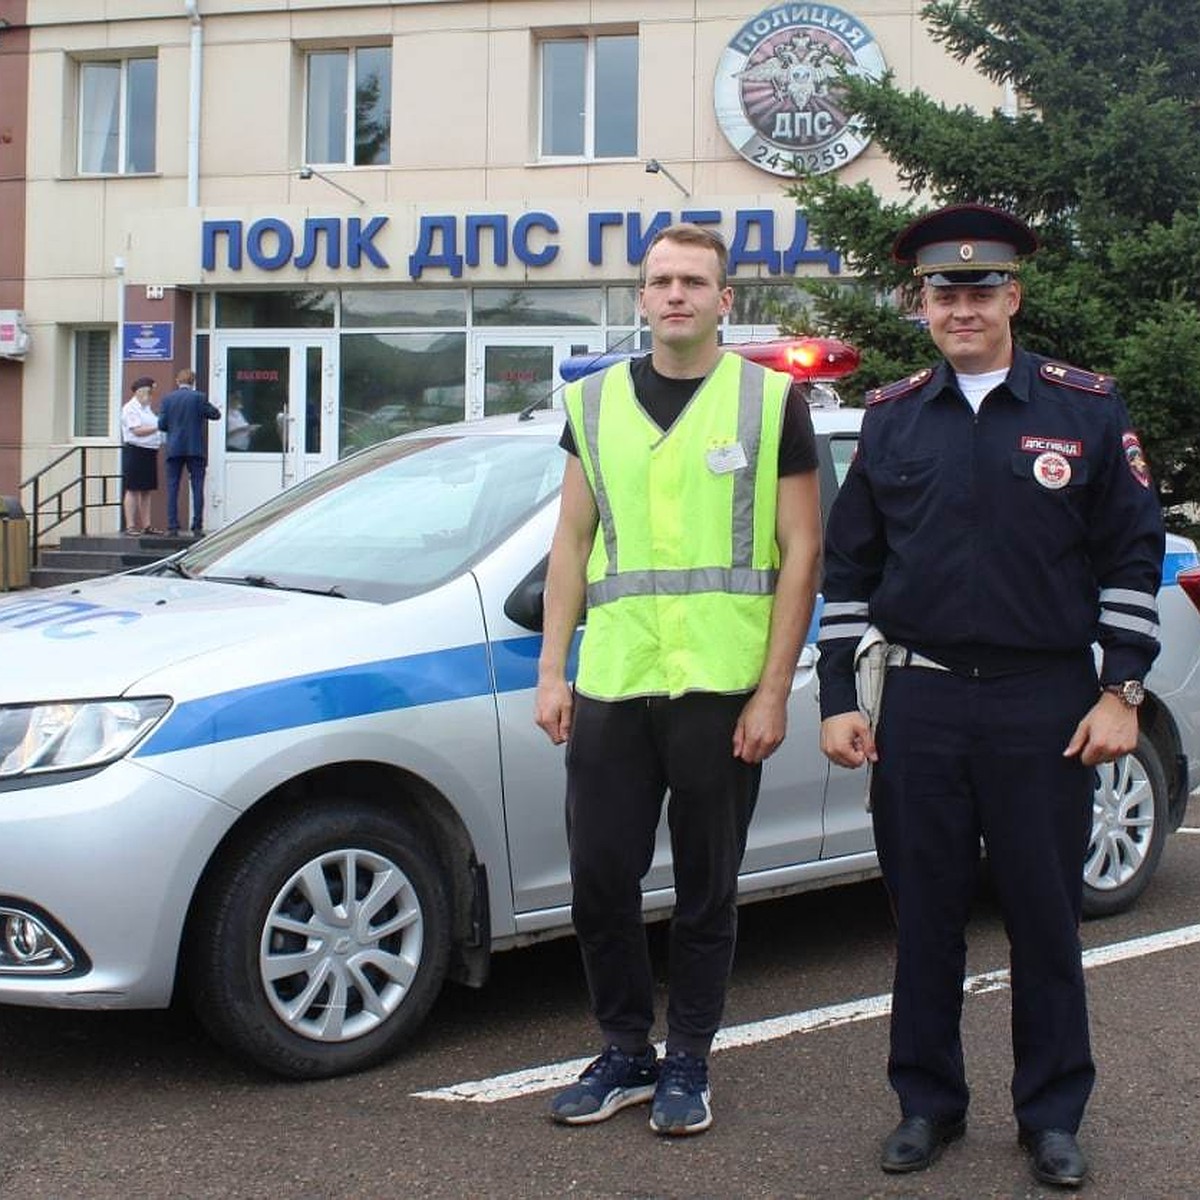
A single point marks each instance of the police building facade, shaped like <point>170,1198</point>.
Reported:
<point>355,219</point>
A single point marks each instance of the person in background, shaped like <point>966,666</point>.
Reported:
<point>140,440</point>
<point>997,520</point>
<point>238,429</point>
<point>184,412</point>
<point>690,521</point>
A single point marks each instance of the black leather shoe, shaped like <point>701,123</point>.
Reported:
<point>916,1142</point>
<point>1056,1156</point>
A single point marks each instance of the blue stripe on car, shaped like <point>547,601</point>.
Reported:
<point>363,689</point>
<point>354,691</point>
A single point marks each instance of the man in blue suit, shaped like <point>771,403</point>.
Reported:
<point>182,418</point>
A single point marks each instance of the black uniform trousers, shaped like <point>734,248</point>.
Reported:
<point>622,758</point>
<point>961,758</point>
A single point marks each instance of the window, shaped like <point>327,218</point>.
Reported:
<point>403,307</point>
<point>93,381</point>
<point>118,103</point>
<point>348,111</point>
<point>590,97</point>
<point>842,447</point>
<point>537,306</point>
<point>295,309</point>
<point>396,520</point>
<point>394,382</point>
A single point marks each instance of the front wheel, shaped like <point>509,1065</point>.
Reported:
<point>1129,827</point>
<point>321,943</point>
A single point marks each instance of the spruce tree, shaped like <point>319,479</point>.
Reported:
<point>1103,160</point>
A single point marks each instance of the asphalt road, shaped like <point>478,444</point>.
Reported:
<point>142,1105</point>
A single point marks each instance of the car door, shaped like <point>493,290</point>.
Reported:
<point>847,823</point>
<point>787,826</point>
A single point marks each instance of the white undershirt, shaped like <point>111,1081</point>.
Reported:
<point>975,387</point>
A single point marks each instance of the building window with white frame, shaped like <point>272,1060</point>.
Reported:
<point>92,383</point>
<point>589,90</point>
<point>118,115</point>
<point>348,107</point>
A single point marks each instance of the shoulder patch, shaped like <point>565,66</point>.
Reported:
<point>901,387</point>
<point>1077,378</point>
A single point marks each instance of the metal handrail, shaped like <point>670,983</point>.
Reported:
<point>47,510</point>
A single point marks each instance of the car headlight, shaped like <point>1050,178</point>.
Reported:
<point>69,735</point>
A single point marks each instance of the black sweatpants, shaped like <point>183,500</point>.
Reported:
<point>622,758</point>
<point>961,759</point>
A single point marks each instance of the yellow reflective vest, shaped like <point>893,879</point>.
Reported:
<point>681,576</point>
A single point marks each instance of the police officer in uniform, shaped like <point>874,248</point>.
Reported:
<point>997,520</point>
<point>690,519</point>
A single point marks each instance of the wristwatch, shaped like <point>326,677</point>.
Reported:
<point>1131,693</point>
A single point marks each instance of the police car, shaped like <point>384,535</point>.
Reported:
<point>292,773</point>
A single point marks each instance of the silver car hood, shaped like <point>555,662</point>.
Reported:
<point>100,637</point>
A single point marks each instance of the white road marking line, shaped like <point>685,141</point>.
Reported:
<point>555,1075</point>
<point>1187,829</point>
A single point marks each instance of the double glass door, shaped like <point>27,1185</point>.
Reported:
<point>511,371</point>
<point>277,397</point>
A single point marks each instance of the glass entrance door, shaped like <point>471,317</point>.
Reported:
<point>511,371</point>
<point>279,419</point>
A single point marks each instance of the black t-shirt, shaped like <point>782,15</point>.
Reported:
<point>664,399</point>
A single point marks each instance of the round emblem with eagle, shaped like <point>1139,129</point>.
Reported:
<point>776,92</point>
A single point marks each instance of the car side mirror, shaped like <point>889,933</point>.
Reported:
<point>525,603</point>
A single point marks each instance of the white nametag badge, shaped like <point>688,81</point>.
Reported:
<point>723,459</point>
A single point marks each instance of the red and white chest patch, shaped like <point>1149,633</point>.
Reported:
<point>1052,470</point>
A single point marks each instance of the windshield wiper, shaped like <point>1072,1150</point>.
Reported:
<point>176,568</point>
<point>261,581</point>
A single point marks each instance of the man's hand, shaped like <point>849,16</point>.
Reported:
<point>553,706</point>
<point>1108,730</point>
<point>760,728</point>
<point>847,740</point>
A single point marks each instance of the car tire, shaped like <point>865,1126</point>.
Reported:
<point>1129,827</point>
<point>287,972</point>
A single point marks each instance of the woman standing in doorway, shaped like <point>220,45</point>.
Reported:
<point>140,440</point>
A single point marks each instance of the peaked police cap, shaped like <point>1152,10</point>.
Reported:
<point>965,244</point>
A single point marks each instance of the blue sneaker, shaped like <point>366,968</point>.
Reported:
<point>614,1081</point>
<point>681,1100</point>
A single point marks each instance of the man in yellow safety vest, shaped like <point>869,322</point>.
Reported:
<point>690,525</point>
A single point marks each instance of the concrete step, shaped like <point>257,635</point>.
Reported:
<point>89,557</point>
<point>99,560</point>
<point>124,542</point>
<point>48,577</point>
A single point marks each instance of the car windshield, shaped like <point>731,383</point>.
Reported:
<point>396,519</point>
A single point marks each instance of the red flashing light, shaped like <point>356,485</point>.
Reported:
<point>1189,580</point>
<point>810,359</point>
<point>805,356</point>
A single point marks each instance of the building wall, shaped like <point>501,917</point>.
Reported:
<point>14,127</point>
<point>464,129</point>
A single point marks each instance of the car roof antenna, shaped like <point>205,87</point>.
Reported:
<point>526,414</point>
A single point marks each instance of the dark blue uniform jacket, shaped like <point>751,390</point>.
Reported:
<point>990,541</point>
<point>182,417</point>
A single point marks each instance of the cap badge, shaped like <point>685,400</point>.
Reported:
<point>966,252</point>
<point>1052,470</point>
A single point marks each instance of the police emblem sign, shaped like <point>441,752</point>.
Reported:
<point>776,93</point>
